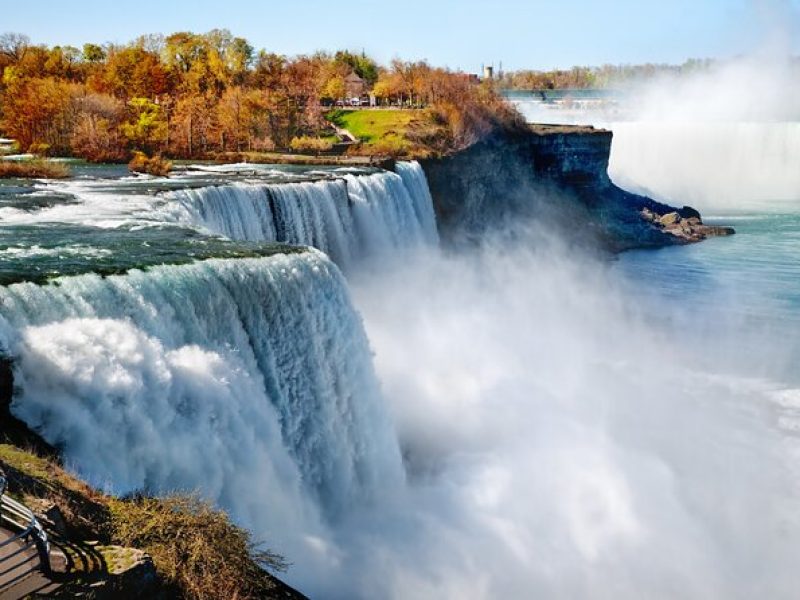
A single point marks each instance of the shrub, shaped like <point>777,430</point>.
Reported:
<point>33,169</point>
<point>154,165</point>
<point>196,549</point>
<point>310,144</point>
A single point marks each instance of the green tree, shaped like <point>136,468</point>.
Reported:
<point>146,128</point>
<point>365,67</point>
<point>92,53</point>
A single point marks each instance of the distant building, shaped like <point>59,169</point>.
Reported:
<point>488,72</point>
<point>354,86</point>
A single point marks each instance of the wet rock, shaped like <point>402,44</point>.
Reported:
<point>685,229</point>
<point>648,215</point>
<point>718,231</point>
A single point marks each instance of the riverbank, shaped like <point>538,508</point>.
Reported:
<point>33,169</point>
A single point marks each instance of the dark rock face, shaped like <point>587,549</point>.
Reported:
<point>556,174</point>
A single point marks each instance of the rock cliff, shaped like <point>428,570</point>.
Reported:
<point>559,175</point>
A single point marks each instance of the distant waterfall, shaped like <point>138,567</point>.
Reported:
<point>708,165</point>
<point>348,218</point>
<point>205,376</point>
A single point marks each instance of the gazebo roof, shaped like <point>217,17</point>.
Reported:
<point>353,78</point>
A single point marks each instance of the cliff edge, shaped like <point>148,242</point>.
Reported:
<point>559,174</point>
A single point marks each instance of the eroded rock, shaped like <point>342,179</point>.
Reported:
<point>686,224</point>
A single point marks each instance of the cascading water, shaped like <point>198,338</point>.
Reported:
<point>348,218</point>
<point>565,434</point>
<point>710,165</point>
<point>227,376</point>
<point>247,379</point>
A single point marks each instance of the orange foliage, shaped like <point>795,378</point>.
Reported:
<point>191,95</point>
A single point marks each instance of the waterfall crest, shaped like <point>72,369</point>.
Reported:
<point>347,218</point>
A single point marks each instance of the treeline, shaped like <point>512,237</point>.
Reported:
<point>605,76</point>
<point>194,95</point>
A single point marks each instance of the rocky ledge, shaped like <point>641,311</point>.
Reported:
<point>687,227</point>
<point>559,176</point>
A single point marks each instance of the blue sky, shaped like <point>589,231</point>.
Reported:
<point>459,34</point>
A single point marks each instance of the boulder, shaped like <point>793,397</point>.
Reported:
<point>670,219</point>
<point>129,574</point>
<point>49,515</point>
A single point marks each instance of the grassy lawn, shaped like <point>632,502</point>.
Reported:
<point>377,128</point>
<point>397,133</point>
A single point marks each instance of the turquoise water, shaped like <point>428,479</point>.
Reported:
<point>744,289</point>
<point>106,221</point>
<point>758,268</point>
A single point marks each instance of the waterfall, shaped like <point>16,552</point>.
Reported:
<point>235,377</point>
<point>709,165</point>
<point>347,218</point>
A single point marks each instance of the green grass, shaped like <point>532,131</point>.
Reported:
<point>396,133</point>
<point>26,462</point>
<point>371,126</point>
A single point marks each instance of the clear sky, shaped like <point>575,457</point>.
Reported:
<point>460,34</point>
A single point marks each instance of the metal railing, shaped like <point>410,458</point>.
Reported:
<point>17,562</point>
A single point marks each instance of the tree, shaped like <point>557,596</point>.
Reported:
<point>146,127</point>
<point>192,124</point>
<point>40,112</point>
<point>363,66</point>
<point>133,72</point>
<point>14,45</point>
<point>335,88</point>
<point>96,135</point>
<point>92,53</point>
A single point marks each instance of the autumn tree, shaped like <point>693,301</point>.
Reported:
<point>133,72</point>
<point>97,135</point>
<point>40,113</point>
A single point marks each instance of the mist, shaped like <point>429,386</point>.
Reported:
<point>563,438</point>
<point>723,139</point>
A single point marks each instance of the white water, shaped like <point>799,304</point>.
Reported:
<point>250,380</point>
<point>563,439</point>
<point>568,440</point>
<point>349,217</point>
<point>353,217</point>
<point>709,165</point>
